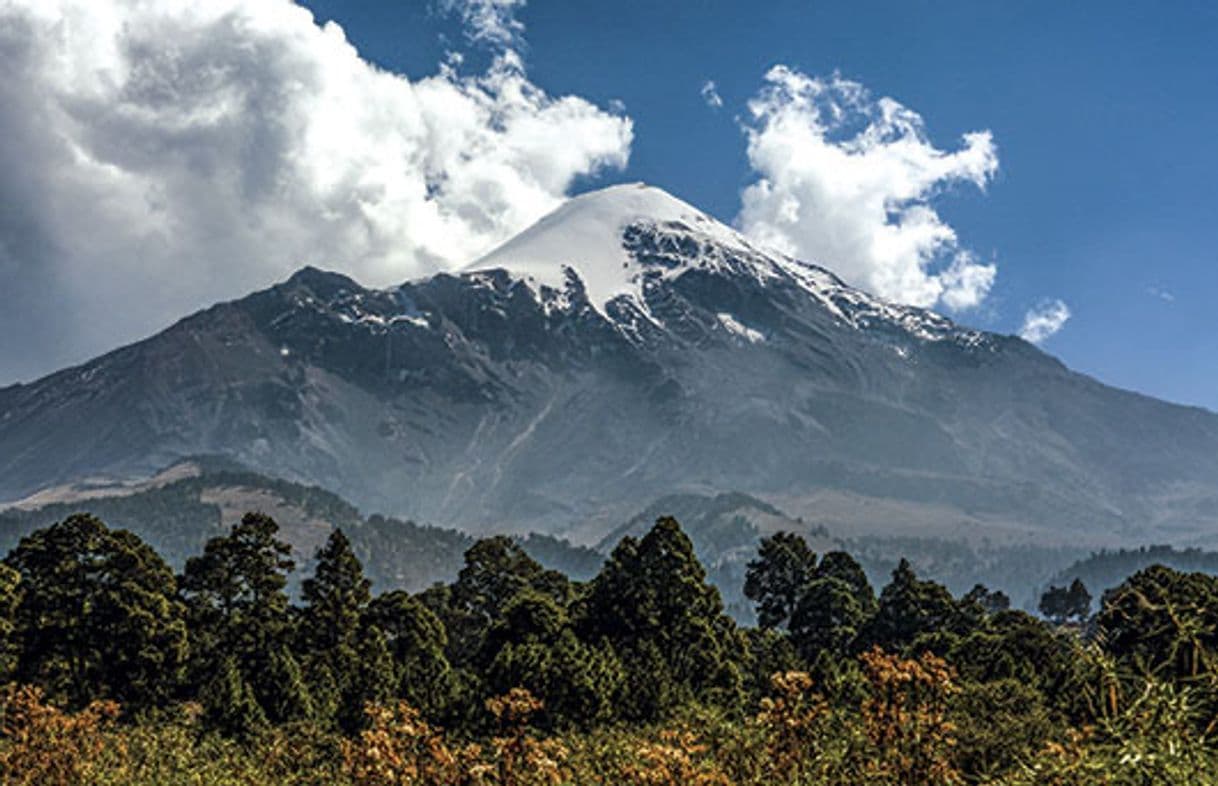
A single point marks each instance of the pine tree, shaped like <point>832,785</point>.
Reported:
<point>908,608</point>
<point>495,570</point>
<point>828,618</point>
<point>416,640</point>
<point>840,565</point>
<point>775,580</point>
<point>1063,604</point>
<point>229,706</point>
<point>652,603</point>
<point>237,607</point>
<point>346,660</point>
<point>97,616</point>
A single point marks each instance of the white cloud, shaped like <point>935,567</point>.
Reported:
<point>847,180</point>
<point>165,155</point>
<point>710,94</point>
<point>488,21</point>
<point>1044,320</point>
<point>1161,294</point>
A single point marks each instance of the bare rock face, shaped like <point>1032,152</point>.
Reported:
<point>625,347</point>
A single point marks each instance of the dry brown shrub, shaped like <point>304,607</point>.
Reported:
<point>678,758</point>
<point>45,746</point>
<point>400,749</point>
<point>790,720</point>
<point>519,759</point>
<point>905,719</point>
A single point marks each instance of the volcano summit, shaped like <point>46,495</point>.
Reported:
<point>625,347</point>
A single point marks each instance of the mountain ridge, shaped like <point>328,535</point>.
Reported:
<point>502,397</point>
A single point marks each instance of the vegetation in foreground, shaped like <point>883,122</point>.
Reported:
<point>117,671</point>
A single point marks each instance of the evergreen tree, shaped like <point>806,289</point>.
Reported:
<point>229,705</point>
<point>534,646</point>
<point>346,659</point>
<point>416,641</point>
<point>1163,620</point>
<point>909,608</point>
<point>828,618</point>
<point>652,603</point>
<point>97,616</point>
<point>1063,604</point>
<point>990,602</point>
<point>10,595</point>
<point>843,567</point>
<point>775,580</point>
<point>496,570</point>
<point>238,609</point>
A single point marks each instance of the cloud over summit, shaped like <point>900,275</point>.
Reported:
<point>1044,320</point>
<point>165,155</point>
<point>846,180</point>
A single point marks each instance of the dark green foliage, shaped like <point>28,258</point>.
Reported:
<point>990,602</point>
<point>843,567</point>
<point>908,608</point>
<point>534,645</point>
<point>346,658</point>
<point>237,608</point>
<point>10,596</point>
<point>1164,621</point>
<point>828,618</point>
<point>1063,604</point>
<point>652,604</point>
<point>1014,645</point>
<point>97,616</point>
<point>229,705</point>
<point>496,570</point>
<point>832,609</point>
<point>645,640</point>
<point>416,640</point>
<point>777,578</point>
<point>768,652</point>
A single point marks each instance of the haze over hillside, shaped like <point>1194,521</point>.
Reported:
<point>627,347</point>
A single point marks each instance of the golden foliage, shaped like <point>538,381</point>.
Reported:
<point>520,759</point>
<point>905,719</point>
<point>45,746</point>
<point>790,720</point>
<point>677,758</point>
<point>399,748</point>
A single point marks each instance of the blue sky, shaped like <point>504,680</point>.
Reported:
<point>224,147</point>
<point>1104,115</point>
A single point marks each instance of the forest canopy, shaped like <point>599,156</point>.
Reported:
<point>119,670</point>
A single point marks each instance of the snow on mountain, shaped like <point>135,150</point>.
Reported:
<point>625,347</point>
<point>617,242</point>
<point>585,236</point>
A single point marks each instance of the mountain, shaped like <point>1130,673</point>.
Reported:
<point>179,509</point>
<point>626,347</point>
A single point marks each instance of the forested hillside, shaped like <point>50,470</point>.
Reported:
<point>179,516</point>
<point>120,670</point>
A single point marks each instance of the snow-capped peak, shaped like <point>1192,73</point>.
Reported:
<point>587,236</point>
<point>620,240</point>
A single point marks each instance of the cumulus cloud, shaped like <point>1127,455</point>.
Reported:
<point>488,21</point>
<point>166,155</point>
<point>710,94</point>
<point>1043,320</point>
<point>848,180</point>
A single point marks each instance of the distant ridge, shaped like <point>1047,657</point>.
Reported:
<point>625,348</point>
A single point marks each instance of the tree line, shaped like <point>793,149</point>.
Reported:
<point>943,689</point>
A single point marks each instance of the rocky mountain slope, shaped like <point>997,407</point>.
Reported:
<point>627,347</point>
